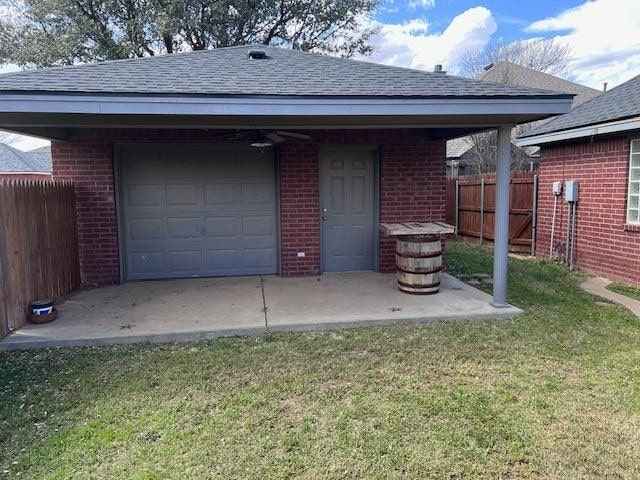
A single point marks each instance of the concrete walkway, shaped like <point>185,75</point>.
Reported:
<point>204,308</point>
<point>598,286</point>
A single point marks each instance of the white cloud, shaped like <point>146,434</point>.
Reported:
<point>413,4</point>
<point>412,44</point>
<point>604,40</point>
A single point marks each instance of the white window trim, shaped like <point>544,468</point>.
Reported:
<point>633,152</point>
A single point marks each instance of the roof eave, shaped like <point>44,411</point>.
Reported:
<point>581,132</point>
<point>275,105</point>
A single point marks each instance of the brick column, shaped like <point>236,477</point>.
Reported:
<point>299,208</point>
<point>89,164</point>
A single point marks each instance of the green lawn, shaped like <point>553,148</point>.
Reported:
<point>552,394</point>
<point>623,289</point>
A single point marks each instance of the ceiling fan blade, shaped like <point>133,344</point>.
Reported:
<point>272,136</point>
<point>295,135</point>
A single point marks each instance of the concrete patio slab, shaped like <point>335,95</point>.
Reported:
<point>197,309</point>
<point>152,311</point>
<point>365,298</point>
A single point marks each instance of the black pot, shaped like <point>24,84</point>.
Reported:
<point>40,307</point>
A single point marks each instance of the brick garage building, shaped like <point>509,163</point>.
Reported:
<point>237,162</point>
<point>597,144</point>
<point>411,185</point>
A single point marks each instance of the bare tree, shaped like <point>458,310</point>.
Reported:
<point>544,55</point>
<point>483,153</point>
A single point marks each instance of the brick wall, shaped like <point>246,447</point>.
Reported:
<point>412,186</point>
<point>604,244</point>
<point>88,163</point>
<point>299,208</point>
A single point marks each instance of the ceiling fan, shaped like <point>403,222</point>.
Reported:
<point>268,138</point>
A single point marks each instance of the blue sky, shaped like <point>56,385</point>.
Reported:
<point>603,35</point>
<point>511,16</point>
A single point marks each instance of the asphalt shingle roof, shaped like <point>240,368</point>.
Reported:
<point>458,147</point>
<point>514,74</point>
<point>618,103</point>
<point>14,160</point>
<point>230,71</point>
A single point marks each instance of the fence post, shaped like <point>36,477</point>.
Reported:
<point>481,211</point>
<point>534,216</point>
<point>457,207</point>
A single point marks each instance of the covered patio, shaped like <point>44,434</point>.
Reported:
<point>205,308</point>
<point>283,163</point>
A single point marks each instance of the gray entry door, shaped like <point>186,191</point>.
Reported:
<point>197,210</point>
<point>347,207</point>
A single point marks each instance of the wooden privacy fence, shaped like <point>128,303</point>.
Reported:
<point>471,207</point>
<point>38,246</point>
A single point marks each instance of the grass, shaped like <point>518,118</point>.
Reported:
<point>624,289</point>
<point>552,394</point>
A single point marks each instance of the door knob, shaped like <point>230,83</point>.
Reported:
<point>324,219</point>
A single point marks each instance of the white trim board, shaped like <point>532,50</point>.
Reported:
<point>579,132</point>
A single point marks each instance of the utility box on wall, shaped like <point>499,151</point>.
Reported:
<point>571,190</point>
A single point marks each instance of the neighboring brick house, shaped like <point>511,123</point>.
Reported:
<point>597,144</point>
<point>253,160</point>
<point>19,165</point>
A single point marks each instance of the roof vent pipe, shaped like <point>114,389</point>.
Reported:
<point>438,69</point>
<point>604,86</point>
<point>257,54</point>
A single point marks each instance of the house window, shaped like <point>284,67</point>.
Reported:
<point>633,202</point>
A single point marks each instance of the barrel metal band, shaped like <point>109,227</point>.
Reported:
<point>419,238</point>
<point>420,271</point>
<point>419,285</point>
<point>419,255</point>
<point>428,292</point>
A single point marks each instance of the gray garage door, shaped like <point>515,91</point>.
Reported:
<point>190,211</point>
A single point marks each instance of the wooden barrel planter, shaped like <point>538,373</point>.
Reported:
<point>419,263</point>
